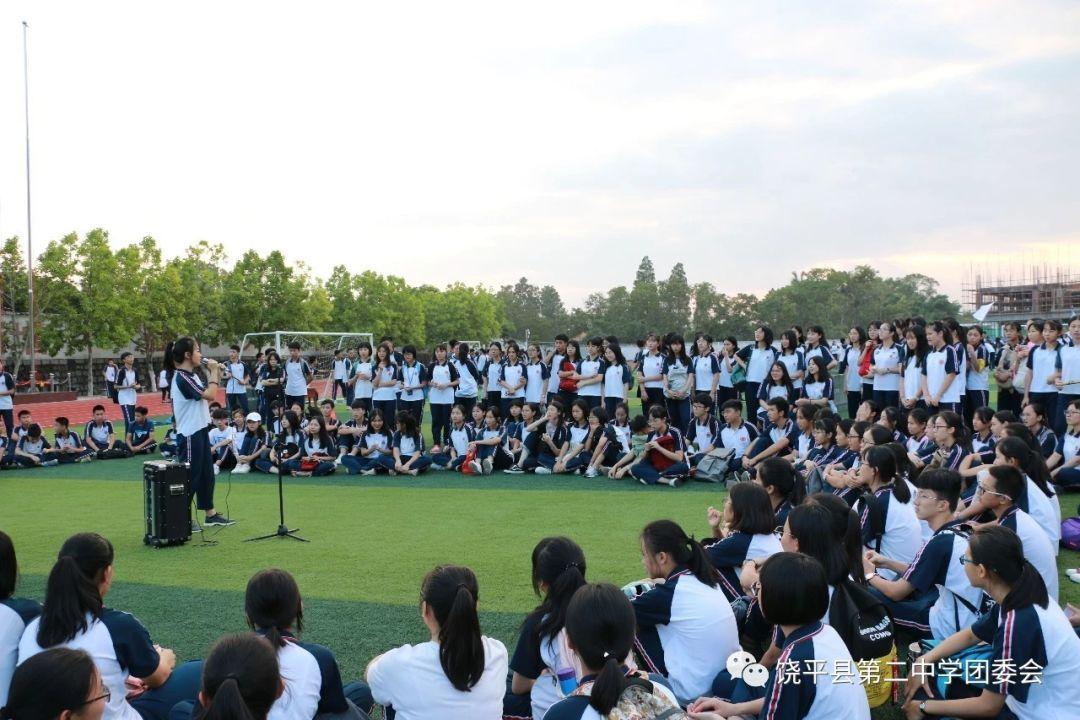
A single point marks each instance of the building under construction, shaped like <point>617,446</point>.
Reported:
<point>1039,293</point>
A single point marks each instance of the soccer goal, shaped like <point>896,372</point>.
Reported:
<point>316,347</point>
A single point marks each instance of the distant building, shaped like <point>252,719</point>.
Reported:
<point>1042,295</point>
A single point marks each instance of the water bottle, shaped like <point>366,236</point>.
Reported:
<point>567,680</point>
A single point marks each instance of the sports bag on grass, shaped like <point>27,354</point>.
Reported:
<point>1070,533</point>
<point>714,466</point>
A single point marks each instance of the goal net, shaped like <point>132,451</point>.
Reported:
<point>316,347</point>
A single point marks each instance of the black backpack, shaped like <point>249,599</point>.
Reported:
<point>875,525</point>
<point>862,621</point>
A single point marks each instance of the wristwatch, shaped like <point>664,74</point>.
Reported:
<point>922,707</point>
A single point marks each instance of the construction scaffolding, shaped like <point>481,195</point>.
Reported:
<point>1039,292</point>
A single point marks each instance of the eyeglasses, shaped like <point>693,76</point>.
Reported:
<point>755,588</point>
<point>982,489</point>
<point>854,436</point>
<point>965,560</point>
<point>929,497</point>
<point>106,696</point>
<point>940,427</point>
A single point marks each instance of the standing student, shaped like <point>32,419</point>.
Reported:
<point>238,378</point>
<point>163,384</point>
<point>513,377</point>
<point>678,382</point>
<point>127,386</point>
<point>911,376</point>
<point>459,674</point>
<point>340,373</point>
<point>7,390</point>
<point>940,370</point>
<point>272,381</point>
<point>617,379</point>
<point>443,381</point>
<point>297,376</point>
<point>75,617</point>
<point>1009,363</point>
<point>791,355</point>
<point>742,531</point>
<point>567,373</point>
<point>15,614</point>
<point>414,378</point>
<point>1067,381</point>
<point>492,370</point>
<point>706,368</point>
<point>385,382</point>
<point>886,367</point>
<point>590,373</point>
<point>818,346</point>
<point>685,627</point>
<point>192,412</point>
<point>730,365</point>
<point>977,381</point>
<point>849,367</point>
<point>1043,363</point>
<point>363,371</point>
<point>758,357</point>
<point>468,378</point>
<point>650,373</point>
<point>110,379</point>
<point>351,357</point>
<point>538,376</point>
<point>1025,630</point>
<point>554,362</point>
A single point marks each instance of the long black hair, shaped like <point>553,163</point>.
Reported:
<point>241,679</point>
<point>177,350</point>
<point>71,592</point>
<point>751,509</point>
<point>1016,447</point>
<point>780,474</point>
<point>559,563</point>
<point>601,625</point>
<point>452,592</point>
<point>9,567</point>
<point>831,533</point>
<point>273,605</point>
<point>999,549</point>
<point>668,537</point>
<point>882,459</point>
<point>49,683</point>
<point>921,345</point>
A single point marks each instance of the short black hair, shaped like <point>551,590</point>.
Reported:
<point>9,568</point>
<point>235,347</point>
<point>94,410</point>
<point>358,404</point>
<point>752,509</point>
<point>294,345</point>
<point>732,405</point>
<point>24,413</point>
<point>780,404</point>
<point>794,589</point>
<point>141,410</point>
<point>639,424</point>
<point>62,421</point>
<point>220,414</point>
<point>704,398</point>
<point>326,401</point>
<point>943,483</point>
<point>1008,481</point>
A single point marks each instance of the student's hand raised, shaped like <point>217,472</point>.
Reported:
<point>714,516</point>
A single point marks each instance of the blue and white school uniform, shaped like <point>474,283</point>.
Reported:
<point>235,390</point>
<point>492,371</point>
<point>1037,547</point>
<point>140,433</point>
<point>541,660</point>
<point>1068,365</point>
<point>726,389</point>
<point>227,436</point>
<point>706,367</point>
<point>100,433</point>
<point>758,362</point>
<point>512,374</point>
<point>537,379</point>
<point>978,379</point>
<point>407,446</point>
<point>1068,447</point>
<point>468,385</point>
<point>645,471</point>
<point>412,401</point>
<point>441,400</point>
<point>923,446</point>
<point>1043,510</point>
<point>767,391</point>
<point>1031,642</point>
<point>818,351</point>
<point>545,456</point>
<point>577,707</point>
<point>853,382</point>
<point>903,534</point>
<point>911,382</point>
<point>651,365</point>
<point>817,682</point>
<point>685,631</point>
<point>954,604</point>
<point>36,448</point>
<point>817,390</point>
<point>738,439</point>
<point>313,447</point>
<point>622,435</point>
<point>296,374</point>
<point>701,435</point>
<point>1042,364</point>
<point>616,384</point>
<point>553,373</point>
<point>590,367</point>
<point>729,554</point>
<point>795,363</point>
<point>411,679</point>
<point>961,367</point>
<point>774,434</point>
<point>458,438</point>
<point>7,404</point>
<point>384,397</point>
<point>312,682</point>
<point>938,365</point>
<point>363,389</point>
<point>125,393</point>
<point>15,615</point>
<point>887,387</point>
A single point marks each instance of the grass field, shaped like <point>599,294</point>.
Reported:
<point>373,538</point>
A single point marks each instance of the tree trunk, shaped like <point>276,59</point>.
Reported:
<point>90,369</point>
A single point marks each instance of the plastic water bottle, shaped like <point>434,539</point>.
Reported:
<point>567,680</point>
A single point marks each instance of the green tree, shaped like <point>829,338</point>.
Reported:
<point>645,301</point>
<point>459,311</point>
<point>14,299</point>
<point>674,301</point>
<point>203,280</point>
<point>162,296</point>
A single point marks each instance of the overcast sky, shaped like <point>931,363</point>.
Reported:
<point>561,141</point>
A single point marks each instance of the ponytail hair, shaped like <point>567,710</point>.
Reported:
<point>177,350</point>
<point>559,563</point>
<point>71,592</point>
<point>781,474</point>
<point>273,605</point>
<point>49,683</point>
<point>666,536</point>
<point>601,625</point>
<point>452,592</point>
<point>1016,447</point>
<point>999,550</point>
<point>241,679</point>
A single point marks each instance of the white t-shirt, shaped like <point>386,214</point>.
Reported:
<point>887,358</point>
<point>411,679</point>
<point>295,383</point>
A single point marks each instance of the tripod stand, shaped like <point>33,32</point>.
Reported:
<point>282,529</point>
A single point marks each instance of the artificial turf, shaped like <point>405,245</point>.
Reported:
<point>373,538</point>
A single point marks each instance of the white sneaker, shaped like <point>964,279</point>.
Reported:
<point>438,467</point>
<point>542,471</point>
<point>477,467</point>
<point>1072,571</point>
<point>369,471</point>
<point>591,472</point>
<point>488,465</point>
<point>1075,578</point>
<point>217,470</point>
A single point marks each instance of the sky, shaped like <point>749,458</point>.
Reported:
<point>485,141</point>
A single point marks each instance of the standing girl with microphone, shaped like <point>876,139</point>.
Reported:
<point>191,408</point>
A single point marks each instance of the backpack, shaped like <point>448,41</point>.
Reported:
<point>874,528</point>
<point>639,703</point>
<point>1070,533</point>
<point>866,627</point>
<point>714,466</point>
<point>659,460</point>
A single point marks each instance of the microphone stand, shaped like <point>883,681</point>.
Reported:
<point>283,530</point>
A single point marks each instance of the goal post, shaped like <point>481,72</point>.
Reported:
<point>315,346</point>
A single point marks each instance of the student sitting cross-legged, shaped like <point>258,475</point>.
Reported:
<point>490,453</point>
<point>552,439</point>
<point>743,531</point>
<point>665,459</point>
<point>67,447</point>
<point>100,438</point>
<point>284,446</point>
<point>374,444</point>
<point>140,433</point>
<point>31,448</point>
<point>779,438</point>
<point>318,452</point>
<point>406,454</point>
<point>457,442</point>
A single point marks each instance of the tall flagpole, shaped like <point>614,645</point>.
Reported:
<point>29,231</point>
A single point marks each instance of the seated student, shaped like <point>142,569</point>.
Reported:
<point>241,678</point>
<point>932,598</point>
<point>140,433</point>
<point>58,683</point>
<point>1035,419</point>
<point>998,492</point>
<point>639,437</point>
<point>982,436</point>
<point>488,445</point>
<point>809,679</point>
<point>374,444</point>
<point>330,418</point>
<point>513,424</point>
<point>600,631</point>
<point>736,434</point>
<point>349,433</point>
<point>406,454</point>
<point>277,414</point>
<point>284,446</point>
<point>317,451</point>
<point>805,416</point>
<point>526,440</point>
<point>868,411</point>
<point>459,674</point>
<point>543,667</point>
<point>919,443</point>
<point>577,433</point>
<point>605,443</point>
<point>67,447</point>
<point>168,443</point>
<point>590,454</point>
<point>685,626</point>
<point>665,457</point>
<point>779,439</point>
<point>784,487</point>
<point>950,443</point>
<point>777,386</point>
<point>457,442</point>
<point>1065,462</point>
<point>703,433</point>
<point>30,452</point>
<point>250,445</point>
<point>620,423</point>
<point>478,419</point>
<point>554,438</point>
<point>818,388</point>
<point>222,439</point>
<point>100,438</point>
<point>25,421</point>
<point>890,419</point>
<point>826,451</point>
<point>743,531</point>
<point>75,616</point>
<point>1028,633</point>
<point>886,514</point>
<point>15,614</point>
